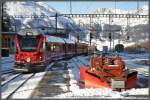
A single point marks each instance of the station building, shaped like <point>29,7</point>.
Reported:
<point>7,41</point>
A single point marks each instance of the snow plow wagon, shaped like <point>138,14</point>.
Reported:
<point>109,72</point>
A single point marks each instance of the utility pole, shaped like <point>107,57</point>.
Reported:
<point>119,37</point>
<point>2,17</point>
<point>109,33</point>
<point>113,39</point>
<point>56,22</point>
<point>90,31</point>
<point>1,4</point>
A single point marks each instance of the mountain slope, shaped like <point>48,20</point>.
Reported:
<point>31,8</point>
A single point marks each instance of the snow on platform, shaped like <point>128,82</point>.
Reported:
<point>76,91</point>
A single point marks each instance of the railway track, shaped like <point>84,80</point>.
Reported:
<point>7,71</point>
<point>76,64</point>
<point>10,79</point>
<point>11,61</point>
<point>86,65</point>
<point>11,86</point>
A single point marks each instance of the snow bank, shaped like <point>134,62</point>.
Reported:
<point>140,91</point>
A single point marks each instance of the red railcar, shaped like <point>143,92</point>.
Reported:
<point>35,50</point>
<point>29,50</point>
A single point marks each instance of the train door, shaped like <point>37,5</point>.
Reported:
<point>43,50</point>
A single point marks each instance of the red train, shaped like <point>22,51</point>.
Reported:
<point>34,50</point>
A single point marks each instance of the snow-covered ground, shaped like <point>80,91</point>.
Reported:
<point>6,59</point>
<point>7,63</point>
<point>77,92</point>
<point>75,89</point>
<point>74,73</point>
<point>24,91</point>
<point>132,60</point>
<point>7,89</point>
<point>12,81</point>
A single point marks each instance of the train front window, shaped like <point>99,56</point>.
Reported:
<point>29,43</point>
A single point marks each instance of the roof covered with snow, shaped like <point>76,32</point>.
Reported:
<point>29,32</point>
<point>58,40</point>
<point>54,39</point>
<point>69,41</point>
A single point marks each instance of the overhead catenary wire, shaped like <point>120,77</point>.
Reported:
<point>113,31</point>
<point>138,8</point>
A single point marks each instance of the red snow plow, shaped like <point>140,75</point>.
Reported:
<point>109,72</point>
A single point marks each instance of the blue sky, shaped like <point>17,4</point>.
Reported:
<point>89,6</point>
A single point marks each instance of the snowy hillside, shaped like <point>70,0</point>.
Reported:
<point>37,9</point>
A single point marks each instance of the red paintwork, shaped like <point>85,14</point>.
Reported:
<point>34,56</point>
<point>98,78</point>
<point>90,81</point>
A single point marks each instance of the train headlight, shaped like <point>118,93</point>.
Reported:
<point>28,59</point>
<point>40,57</point>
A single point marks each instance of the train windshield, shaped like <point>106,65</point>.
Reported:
<point>29,43</point>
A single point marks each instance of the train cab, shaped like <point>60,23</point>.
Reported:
<point>29,53</point>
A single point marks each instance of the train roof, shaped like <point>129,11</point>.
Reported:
<point>29,32</point>
<point>84,42</point>
<point>54,39</point>
<point>58,40</point>
<point>69,41</point>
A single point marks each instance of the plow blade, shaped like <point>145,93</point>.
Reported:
<point>131,81</point>
<point>91,81</point>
